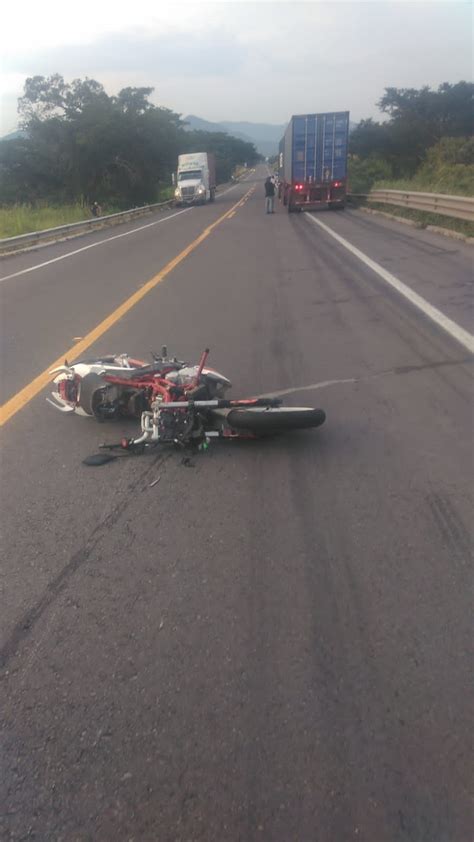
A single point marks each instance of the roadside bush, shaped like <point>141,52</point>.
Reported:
<point>364,172</point>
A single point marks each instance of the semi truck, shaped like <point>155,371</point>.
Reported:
<point>195,179</point>
<point>313,161</point>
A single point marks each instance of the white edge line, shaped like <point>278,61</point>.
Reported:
<point>455,331</point>
<point>99,242</point>
<point>90,246</point>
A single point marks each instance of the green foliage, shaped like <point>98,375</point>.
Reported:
<point>427,139</point>
<point>21,219</point>
<point>445,112</point>
<point>448,168</point>
<point>450,150</point>
<point>82,145</point>
<point>364,172</point>
<point>229,151</point>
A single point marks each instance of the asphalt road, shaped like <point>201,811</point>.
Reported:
<point>275,643</point>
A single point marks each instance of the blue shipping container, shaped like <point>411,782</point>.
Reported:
<point>315,147</point>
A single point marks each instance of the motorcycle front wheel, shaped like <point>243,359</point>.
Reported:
<point>279,419</point>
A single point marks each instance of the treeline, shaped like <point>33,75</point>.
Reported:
<point>77,143</point>
<point>427,140</point>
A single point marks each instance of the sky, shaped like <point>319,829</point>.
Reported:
<point>257,61</point>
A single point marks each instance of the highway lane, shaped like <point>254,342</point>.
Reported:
<point>71,286</point>
<point>272,644</point>
<point>437,267</point>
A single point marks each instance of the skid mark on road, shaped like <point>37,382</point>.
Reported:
<point>448,325</point>
<point>453,531</point>
<point>59,584</point>
<point>390,372</point>
<point>18,401</point>
<point>311,388</point>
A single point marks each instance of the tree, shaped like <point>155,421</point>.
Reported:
<point>417,120</point>
<point>42,99</point>
<point>445,112</point>
<point>229,151</point>
<point>82,145</point>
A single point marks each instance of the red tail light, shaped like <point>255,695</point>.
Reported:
<point>337,184</point>
<point>299,186</point>
<point>68,390</point>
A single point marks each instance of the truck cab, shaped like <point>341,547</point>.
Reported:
<point>195,181</point>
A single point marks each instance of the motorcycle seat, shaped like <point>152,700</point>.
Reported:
<point>146,370</point>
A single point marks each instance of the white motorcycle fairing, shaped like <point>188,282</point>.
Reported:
<point>66,398</point>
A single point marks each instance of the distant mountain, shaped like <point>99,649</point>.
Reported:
<point>14,135</point>
<point>265,136</point>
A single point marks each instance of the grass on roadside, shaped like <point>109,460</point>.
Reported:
<point>23,219</point>
<point>454,180</point>
<point>166,194</point>
<point>422,218</point>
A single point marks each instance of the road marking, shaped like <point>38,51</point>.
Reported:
<point>100,242</point>
<point>91,246</point>
<point>18,401</point>
<point>229,189</point>
<point>231,215</point>
<point>457,332</point>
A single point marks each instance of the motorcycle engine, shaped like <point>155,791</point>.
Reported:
<point>113,402</point>
<point>177,425</point>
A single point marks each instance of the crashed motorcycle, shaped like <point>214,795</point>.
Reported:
<point>176,403</point>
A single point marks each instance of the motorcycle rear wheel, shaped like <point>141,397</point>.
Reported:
<point>280,419</point>
<point>91,390</point>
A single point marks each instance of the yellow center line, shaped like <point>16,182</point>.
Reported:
<point>18,401</point>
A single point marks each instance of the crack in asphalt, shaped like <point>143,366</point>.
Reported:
<point>54,589</point>
<point>59,583</point>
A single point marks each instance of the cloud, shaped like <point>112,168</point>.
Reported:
<point>136,52</point>
<point>243,60</point>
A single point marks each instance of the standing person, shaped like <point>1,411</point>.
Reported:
<point>269,195</point>
<point>96,209</point>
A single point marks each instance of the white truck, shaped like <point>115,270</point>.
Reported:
<point>196,179</point>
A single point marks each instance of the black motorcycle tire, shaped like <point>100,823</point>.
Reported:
<point>91,392</point>
<point>275,419</point>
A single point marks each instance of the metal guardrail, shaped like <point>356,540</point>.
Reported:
<point>459,207</point>
<point>34,237</point>
<point>51,234</point>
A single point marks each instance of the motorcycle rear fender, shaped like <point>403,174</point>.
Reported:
<point>62,369</point>
<point>58,403</point>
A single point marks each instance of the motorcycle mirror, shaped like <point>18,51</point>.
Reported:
<point>98,459</point>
